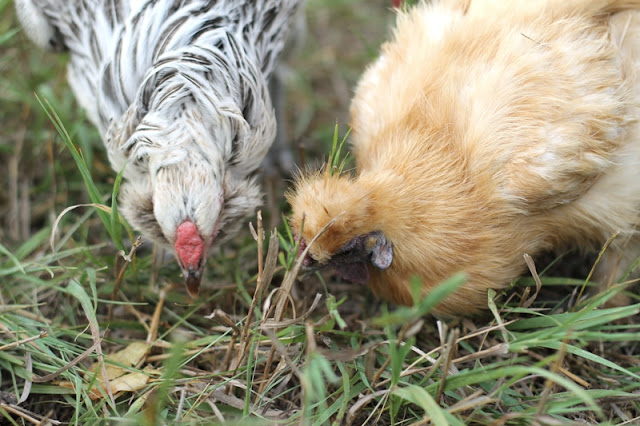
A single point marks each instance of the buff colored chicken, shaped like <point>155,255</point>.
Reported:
<point>485,130</point>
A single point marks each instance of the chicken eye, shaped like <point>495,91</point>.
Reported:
<point>141,160</point>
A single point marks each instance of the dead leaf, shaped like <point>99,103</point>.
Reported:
<point>120,378</point>
<point>130,382</point>
<point>129,356</point>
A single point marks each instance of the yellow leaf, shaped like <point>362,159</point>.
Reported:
<point>128,356</point>
<point>129,382</point>
<point>131,355</point>
<point>120,378</point>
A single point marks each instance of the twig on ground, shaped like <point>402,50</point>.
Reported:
<point>23,341</point>
<point>127,260</point>
<point>75,361</point>
<point>451,352</point>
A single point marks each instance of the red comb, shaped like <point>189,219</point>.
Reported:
<point>396,3</point>
<point>189,245</point>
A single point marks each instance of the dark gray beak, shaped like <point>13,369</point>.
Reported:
<point>372,247</point>
<point>192,278</point>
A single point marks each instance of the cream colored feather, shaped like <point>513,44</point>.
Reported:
<point>486,130</point>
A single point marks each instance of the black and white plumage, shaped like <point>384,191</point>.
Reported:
<point>179,92</point>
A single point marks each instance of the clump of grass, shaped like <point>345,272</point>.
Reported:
<point>337,162</point>
<point>259,346</point>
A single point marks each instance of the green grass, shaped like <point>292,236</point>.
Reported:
<point>258,345</point>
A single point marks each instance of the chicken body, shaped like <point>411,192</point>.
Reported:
<point>485,130</point>
<point>179,92</point>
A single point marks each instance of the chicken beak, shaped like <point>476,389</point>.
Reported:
<point>192,279</point>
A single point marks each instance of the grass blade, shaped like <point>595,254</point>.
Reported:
<point>92,189</point>
<point>424,400</point>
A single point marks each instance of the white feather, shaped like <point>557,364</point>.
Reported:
<point>179,92</point>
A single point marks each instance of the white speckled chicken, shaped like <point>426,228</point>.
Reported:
<point>485,130</point>
<point>179,92</point>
